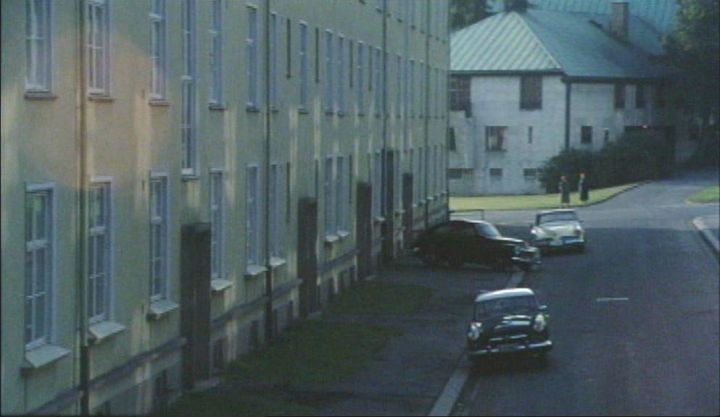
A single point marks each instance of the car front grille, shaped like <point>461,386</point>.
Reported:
<point>508,339</point>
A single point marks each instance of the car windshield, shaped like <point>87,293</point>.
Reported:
<point>487,230</point>
<point>557,217</point>
<point>503,306</point>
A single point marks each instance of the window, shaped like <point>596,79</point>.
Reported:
<point>98,47</point>
<point>216,42</point>
<point>586,134</point>
<point>317,55</point>
<point>99,243</point>
<point>531,92</point>
<point>460,94</point>
<point>303,66</point>
<point>377,184</point>
<point>378,81</point>
<point>158,50</point>
<point>495,138</point>
<point>361,78</point>
<point>398,85</point>
<point>340,195</point>
<point>277,233</point>
<point>328,72</point>
<point>452,146</point>
<point>340,84</point>
<point>288,48</point>
<point>606,135</point>
<point>530,173</point>
<point>660,96</point>
<point>619,96</point>
<point>412,87</point>
<point>158,237</point>
<point>253,216</point>
<point>639,96</point>
<point>530,134</point>
<point>273,60</point>
<point>421,180</point>
<point>217,210</point>
<point>351,64</point>
<point>38,39</point>
<point>187,122</point>
<point>496,173</point>
<point>329,202</point>
<point>39,225</point>
<point>252,58</point>
<point>455,173</point>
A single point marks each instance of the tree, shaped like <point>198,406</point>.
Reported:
<point>694,48</point>
<point>466,12</point>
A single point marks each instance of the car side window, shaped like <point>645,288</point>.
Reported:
<point>442,230</point>
<point>466,230</point>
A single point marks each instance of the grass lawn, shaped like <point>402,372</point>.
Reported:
<point>377,297</point>
<point>540,201</point>
<point>309,352</point>
<point>708,195</point>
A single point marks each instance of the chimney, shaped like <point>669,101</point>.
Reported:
<point>619,20</point>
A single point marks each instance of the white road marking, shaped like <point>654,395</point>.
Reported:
<point>450,394</point>
<point>608,299</point>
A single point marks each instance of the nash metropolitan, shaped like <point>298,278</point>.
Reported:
<point>508,321</point>
<point>555,229</point>
<point>457,242</point>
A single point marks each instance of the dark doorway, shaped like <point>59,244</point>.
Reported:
<point>363,228</point>
<point>307,254</point>
<point>195,302</point>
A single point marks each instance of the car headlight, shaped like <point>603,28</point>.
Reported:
<point>539,323</point>
<point>578,230</point>
<point>517,249</point>
<point>475,330</point>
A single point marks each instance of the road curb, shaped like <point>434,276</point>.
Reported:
<point>595,203</point>
<point>453,388</point>
<point>707,235</point>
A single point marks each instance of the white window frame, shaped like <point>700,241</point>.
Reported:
<point>32,246</point>
<point>159,218</point>
<point>216,53</point>
<point>98,69</point>
<point>252,69</point>
<point>273,61</point>
<point>360,78</point>
<point>217,224</point>
<point>38,45</point>
<point>252,222</point>
<point>340,83</point>
<point>329,194</point>
<point>98,273</point>
<point>277,201</point>
<point>158,50</point>
<point>188,122</point>
<point>328,71</point>
<point>302,51</point>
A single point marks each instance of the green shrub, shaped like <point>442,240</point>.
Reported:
<point>635,156</point>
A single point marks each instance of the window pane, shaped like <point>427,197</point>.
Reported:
<point>40,315</point>
<point>40,270</point>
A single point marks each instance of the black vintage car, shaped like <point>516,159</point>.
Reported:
<point>457,242</point>
<point>508,321</point>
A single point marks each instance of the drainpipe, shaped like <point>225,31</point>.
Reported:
<point>426,118</point>
<point>266,165</point>
<point>568,89</point>
<point>80,267</point>
<point>384,198</point>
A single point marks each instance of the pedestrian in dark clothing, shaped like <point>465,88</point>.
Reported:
<point>583,188</point>
<point>564,189</point>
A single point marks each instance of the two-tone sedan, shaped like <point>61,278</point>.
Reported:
<point>509,321</point>
<point>556,229</point>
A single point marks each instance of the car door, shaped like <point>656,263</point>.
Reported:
<point>487,247</point>
<point>468,243</point>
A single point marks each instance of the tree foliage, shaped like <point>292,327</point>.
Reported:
<point>466,12</point>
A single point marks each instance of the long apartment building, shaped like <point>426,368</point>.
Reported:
<point>182,179</point>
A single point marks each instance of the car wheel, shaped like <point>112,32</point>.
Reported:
<point>430,257</point>
<point>500,265</point>
<point>581,248</point>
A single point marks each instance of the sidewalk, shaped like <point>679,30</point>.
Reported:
<point>708,226</point>
<point>411,372</point>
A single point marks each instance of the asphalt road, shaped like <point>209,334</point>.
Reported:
<point>654,350</point>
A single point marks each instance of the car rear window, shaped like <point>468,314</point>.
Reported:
<point>507,305</point>
<point>557,217</point>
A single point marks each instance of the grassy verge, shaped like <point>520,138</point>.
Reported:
<point>376,297</point>
<point>311,352</point>
<point>708,195</point>
<point>528,202</point>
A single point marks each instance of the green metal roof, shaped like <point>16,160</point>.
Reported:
<point>540,40</point>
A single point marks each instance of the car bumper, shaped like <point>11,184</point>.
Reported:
<point>529,348</point>
<point>528,257</point>
<point>565,242</point>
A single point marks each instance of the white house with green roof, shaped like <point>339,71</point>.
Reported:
<point>528,82</point>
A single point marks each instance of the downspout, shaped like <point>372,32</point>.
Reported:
<point>266,165</point>
<point>383,160</point>
<point>568,89</point>
<point>82,219</point>
<point>426,116</point>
